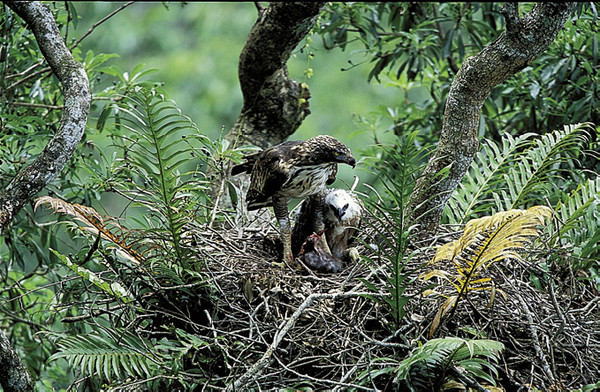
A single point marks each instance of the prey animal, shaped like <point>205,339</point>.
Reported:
<point>292,169</point>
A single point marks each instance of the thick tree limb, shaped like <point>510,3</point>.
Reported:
<point>77,100</point>
<point>14,376</point>
<point>274,105</point>
<point>523,41</point>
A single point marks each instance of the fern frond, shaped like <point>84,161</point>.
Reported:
<point>483,176</point>
<point>540,163</point>
<point>578,220</point>
<point>517,173</point>
<point>125,240</point>
<point>105,355</point>
<point>484,241</point>
<point>429,364</point>
<point>158,147</point>
<point>492,224</point>
<point>391,225</point>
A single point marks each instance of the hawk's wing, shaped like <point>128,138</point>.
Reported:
<point>269,173</point>
<point>246,167</point>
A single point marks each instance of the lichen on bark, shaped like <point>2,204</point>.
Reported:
<point>77,98</point>
<point>523,41</point>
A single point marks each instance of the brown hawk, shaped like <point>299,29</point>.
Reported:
<point>293,169</point>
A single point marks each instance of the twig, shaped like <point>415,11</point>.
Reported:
<point>535,340</point>
<point>283,329</point>
<point>36,105</point>
<point>99,23</point>
<point>384,342</point>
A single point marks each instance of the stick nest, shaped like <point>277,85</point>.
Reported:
<point>278,327</point>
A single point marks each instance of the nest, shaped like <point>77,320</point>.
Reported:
<point>279,327</point>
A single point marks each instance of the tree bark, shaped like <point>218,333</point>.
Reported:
<point>274,105</point>
<point>523,41</point>
<point>14,376</point>
<point>77,99</point>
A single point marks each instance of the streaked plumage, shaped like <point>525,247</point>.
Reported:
<point>293,169</point>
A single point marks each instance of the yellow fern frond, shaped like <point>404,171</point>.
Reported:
<point>528,219</point>
<point>94,223</point>
<point>484,241</point>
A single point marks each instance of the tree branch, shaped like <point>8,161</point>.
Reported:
<point>14,376</point>
<point>274,105</point>
<point>523,41</point>
<point>77,100</point>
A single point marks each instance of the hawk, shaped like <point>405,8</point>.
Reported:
<point>342,216</point>
<point>341,212</point>
<point>292,169</point>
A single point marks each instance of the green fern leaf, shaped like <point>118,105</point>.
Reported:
<point>516,174</point>
<point>108,355</point>
<point>578,220</point>
<point>483,177</point>
<point>428,365</point>
<point>158,151</point>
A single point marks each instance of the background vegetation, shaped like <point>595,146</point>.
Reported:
<point>133,288</point>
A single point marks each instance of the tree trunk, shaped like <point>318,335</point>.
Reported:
<point>274,105</point>
<point>14,376</point>
<point>523,41</point>
<point>77,99</point>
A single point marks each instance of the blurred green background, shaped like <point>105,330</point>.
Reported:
<point>195,48</point>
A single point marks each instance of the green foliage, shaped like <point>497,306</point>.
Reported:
<point>392,228</point>
<point>109,354</point>
<point>578,224</point>
<point>113,289</point>
<point>421,46</point>
<point>439,364</point>
<point>33,279</point>
<point>433,363</point>
<point>518,173</point>
<point>151,130</point>
<point>116,322</point>
<point>525,171</point>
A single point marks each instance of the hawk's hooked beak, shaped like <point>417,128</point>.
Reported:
<point>349,159</point>
<point>339,211</point>
<point>345,158</point>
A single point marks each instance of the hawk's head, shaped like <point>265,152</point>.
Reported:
<point>341,208</point>
<point>325,148</point>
